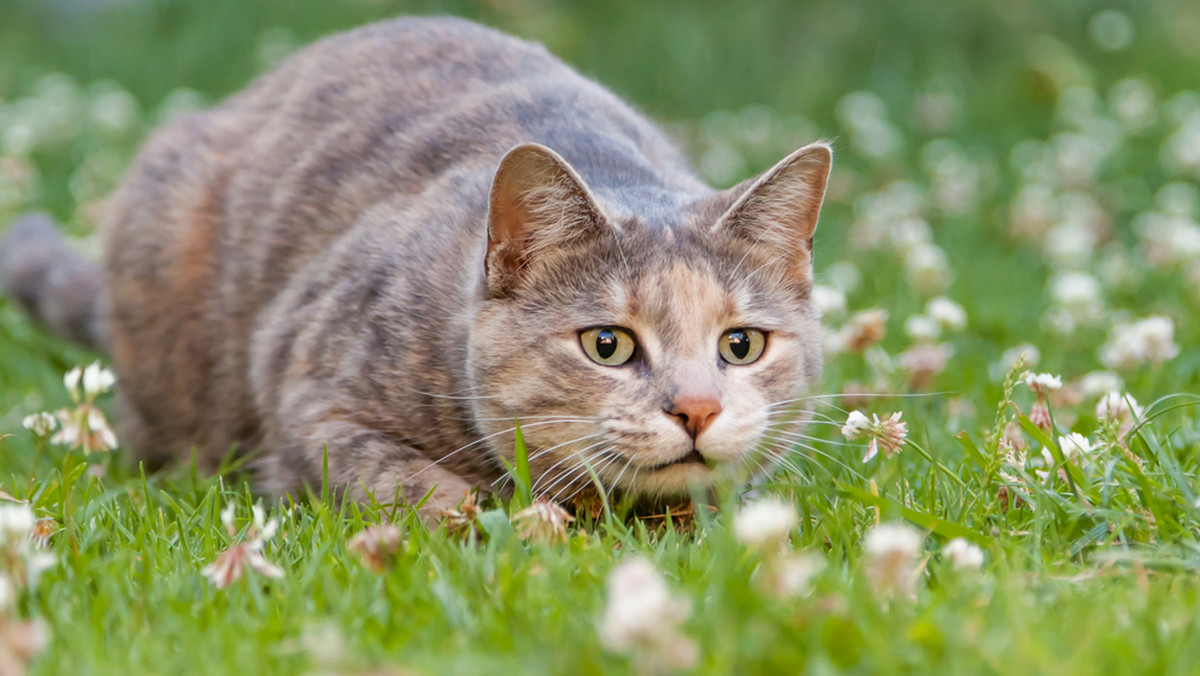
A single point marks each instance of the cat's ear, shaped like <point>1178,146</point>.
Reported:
<point>538,205</point>
<point>779,209</point>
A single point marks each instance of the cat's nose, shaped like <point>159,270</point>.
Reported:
<point>695,412</point>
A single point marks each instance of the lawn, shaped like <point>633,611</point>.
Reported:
<point>1009,258</point>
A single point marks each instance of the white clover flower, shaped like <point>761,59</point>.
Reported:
<point>71,382</point>
<point>910,233</point>
<point>946,312</point>
<point>863,330</point>
<point>377,546</point>
<point>1097,383</point>
<point>1075,445</point>
<point>37,563</point>
<point>85,428</point>
<point>1132,103</point>
<point>922,329</point>
<point>928,268</point>
<point>232,563</point>
<point>1041,383</point>
<point>1112,30</point>
<point>887,435</point>
<point>114,110</point>
<point>1168,240</point>
<point>963,554</point>
<point>42,424</point>
<point>1178,198</point>
<point>1181,150</point>
<point>1078,292</point>
<point>543,521</point>
<point>829,301</point>
<point>1033,210</point>
<point>1076,301</point>
<point>16,523</point>
<point>1120,408</point>
<point>765,524</point>
<point>857,425</point>
<point>924,362</point>
<point>24,563</point>
<point>844,277</point>
<point>1070,244</point>
<point>643,618</point>
<point>791,575</point>
<point>96,381</point>
<point>1148,340</point>
<point>227,515</point>
<point>891,552</point>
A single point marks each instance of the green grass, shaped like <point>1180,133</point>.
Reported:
<point>1092,568</point>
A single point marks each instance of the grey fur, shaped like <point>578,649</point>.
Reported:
<point>303,268</point>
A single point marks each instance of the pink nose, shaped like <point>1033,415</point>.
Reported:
<point>695,413</point>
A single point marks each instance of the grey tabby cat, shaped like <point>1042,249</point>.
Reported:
<point>412,233</point>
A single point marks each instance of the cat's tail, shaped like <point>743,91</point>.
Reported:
<point>58,287</point>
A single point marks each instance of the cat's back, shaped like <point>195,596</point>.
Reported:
<point>369,116</point>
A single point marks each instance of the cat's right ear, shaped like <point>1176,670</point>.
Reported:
<point>538,205</point>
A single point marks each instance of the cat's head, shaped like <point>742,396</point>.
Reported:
<point>657,354</point>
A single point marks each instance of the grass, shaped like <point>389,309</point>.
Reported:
<point>1090,561</point>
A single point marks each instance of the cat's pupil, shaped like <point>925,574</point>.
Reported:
<point>739,344</point>
<point>606,343</point>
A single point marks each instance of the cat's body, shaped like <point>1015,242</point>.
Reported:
<point>303,268</point>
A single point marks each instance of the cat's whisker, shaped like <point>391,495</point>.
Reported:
<point>563,459</point>
<point>581,472</point>
<point>617,481</point>
<point>585,467</point>
<point>505,478</point>
<point>566,472</point>
<point>779,418</point>
<point>825,420</point>
<point>475,443</point>
<point>805,437</point>
<point>782,461</point>
<point>796,444</point>
<point>561,418</point>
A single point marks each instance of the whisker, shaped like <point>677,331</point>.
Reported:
<point>476,442</point>
<point>607,462</point>
<point>795,444</point>
<point>563,459</point>
<point>569,471</point>
<point>505,478</point>
<point>797,436</point>
<point>520,418</point>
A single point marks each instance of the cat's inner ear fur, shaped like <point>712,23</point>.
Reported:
<point>538,207</point>
<point>779,209</point>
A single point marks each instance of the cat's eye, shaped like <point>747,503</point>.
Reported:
<point>607,345</point>
<point>742,346</point>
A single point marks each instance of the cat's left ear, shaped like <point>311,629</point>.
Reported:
<point>779,209</point>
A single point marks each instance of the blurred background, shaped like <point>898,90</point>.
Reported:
<point>1036,161</point>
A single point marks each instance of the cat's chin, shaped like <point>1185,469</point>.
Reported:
<point>677,478</point>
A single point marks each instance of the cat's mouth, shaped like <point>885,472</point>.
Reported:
<point>692,457</point>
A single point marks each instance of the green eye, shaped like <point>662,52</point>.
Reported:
<point>607,345</point>
<point>742,346</point>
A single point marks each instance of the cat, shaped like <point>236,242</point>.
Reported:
<point>410,235</point>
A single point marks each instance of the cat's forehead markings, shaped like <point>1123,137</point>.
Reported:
<point>681,305</point>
